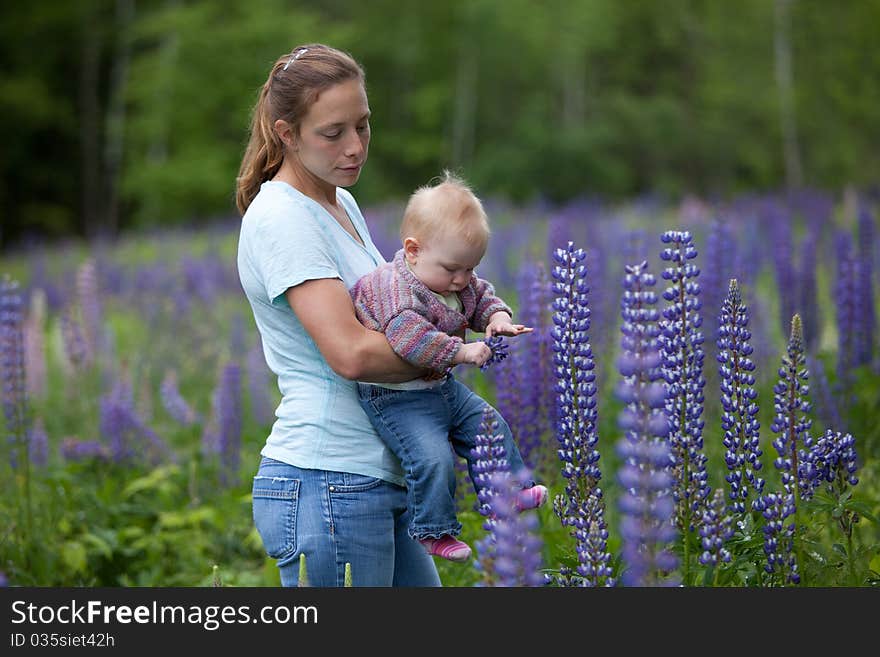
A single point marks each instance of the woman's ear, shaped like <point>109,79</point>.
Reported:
<point>411,249</point>
<point>285,133</point>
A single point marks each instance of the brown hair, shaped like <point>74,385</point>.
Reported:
<point>448,207</point>
<point>294,83</point>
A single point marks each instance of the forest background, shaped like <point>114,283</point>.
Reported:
<point>122,114</point>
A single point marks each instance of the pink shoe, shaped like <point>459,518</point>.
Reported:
<point>531,498</point>
<point>447,547</point>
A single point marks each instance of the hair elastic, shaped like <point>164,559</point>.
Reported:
<point>294,57</point>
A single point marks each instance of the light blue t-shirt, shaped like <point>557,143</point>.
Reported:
<point>287,238</point>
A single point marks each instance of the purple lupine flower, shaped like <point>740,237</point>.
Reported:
<point>594,559</point>
<point>35,345</point>
<point>716,528</point>
<point>779,219</point>
<point>603,306</point>
<point>582,506</point>
<point>779,538</point>
<point>808,306</point>
<point>646,503</point>
<point>646,507</point>
<point>38,444</point>
<point>791,406</point>
<point>635,245</point>
<point>222,436</point>
<point>116,409</point>
<point>749,257</point>
<point>525,392</point>
<point>739,417</point>
<point>89,299</point>
<point>488,457</point>
<point>866,314</point>
<point>720,257</point>
<point>517,543</point>
<point>74,449</point>
<point>125,431</point>
<point>681,347</point>
<point>488,465</point>
<point>237,335</point>
<point>202,278</point>
<point>845,298</point>
<point>259,378</point>
<point>826,403</point>
<point>12,373</point>
<point>230,421</point>
<point>4,582</point>
<point>39,279</point>
<point>640,358</point>
<point>173,401</point>
<point>831,461</point>
<point>500,350</point>
<point>76,349</point>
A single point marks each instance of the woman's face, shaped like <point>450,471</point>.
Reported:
<point>334,135</point>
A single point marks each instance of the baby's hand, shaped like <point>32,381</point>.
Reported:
<point>505,327</point>
<point>472,353</point>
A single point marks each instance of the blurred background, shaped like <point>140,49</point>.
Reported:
<point>134,113</point>
<point>135,393</point>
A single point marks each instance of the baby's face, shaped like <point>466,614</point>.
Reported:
<point>443,263</point>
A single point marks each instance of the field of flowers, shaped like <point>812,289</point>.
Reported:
<point>700,394</point>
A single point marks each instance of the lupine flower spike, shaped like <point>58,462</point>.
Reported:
<point>779,538</point>
<point>831,464</point>
<point>791,424</point>
<point>517,545</point>
<point>791,405</point>
<point>739,413</point>
<point>488,467</point>
<point>12,374</point>
<point>681,347</point>
<point>582,506</point>
<point>526,399</point>
<point>646,502</point>
<point>715,529</point>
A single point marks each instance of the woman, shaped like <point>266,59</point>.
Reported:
<point>326,487</point>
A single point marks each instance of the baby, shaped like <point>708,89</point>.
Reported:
<point>423,301</point>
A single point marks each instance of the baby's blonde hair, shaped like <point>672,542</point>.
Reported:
<point>448,207</point>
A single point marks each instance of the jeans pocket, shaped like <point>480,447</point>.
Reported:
<point>275,502</point>
<point>354,483</point>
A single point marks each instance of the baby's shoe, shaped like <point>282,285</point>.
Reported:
<point>447,547</point>
<point>531,498</point>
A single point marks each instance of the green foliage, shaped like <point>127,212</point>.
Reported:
<point>145,106</point>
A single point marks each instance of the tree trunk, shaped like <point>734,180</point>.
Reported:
<point>89,124</point>
<point>115,130</point>
<point>465,100</point>
<point>162,109</point>
<point>785,87</point>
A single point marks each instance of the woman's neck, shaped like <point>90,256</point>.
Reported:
<point>300,179</point>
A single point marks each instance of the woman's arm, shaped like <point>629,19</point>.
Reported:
<point>353,351</point>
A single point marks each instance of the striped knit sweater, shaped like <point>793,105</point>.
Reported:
<point>420,328</point>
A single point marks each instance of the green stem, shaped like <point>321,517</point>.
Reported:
<point>792,423</point>
<point>849,553</point>
<point>682,423</point>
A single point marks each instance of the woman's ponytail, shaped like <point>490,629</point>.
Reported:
<point>263,155</point>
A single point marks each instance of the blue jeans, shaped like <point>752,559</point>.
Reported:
<point>418,426</point>
<point>334,518</point>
